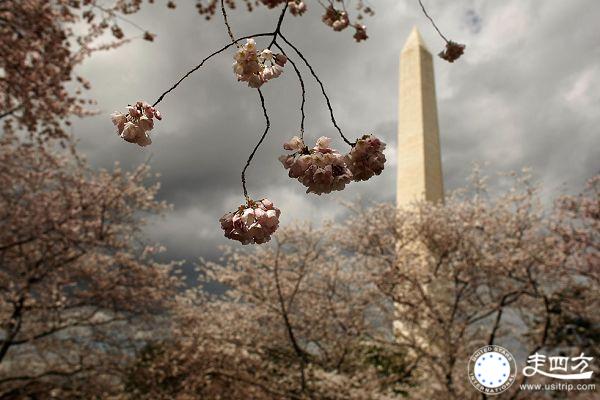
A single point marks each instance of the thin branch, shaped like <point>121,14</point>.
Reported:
<point>301,86</point>
<point>262,138</point>
<point>12,328</point>
<point>9,112</point>
<point>312,71</point>
<point>288,325</point>
<point>160,98</point>
<point>543,339</point>
<point>229,31</point>
<point>496,325</point>
<point>432,22</point>
<point>278,27</point>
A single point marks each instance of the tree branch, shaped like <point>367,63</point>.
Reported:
<point>432,22</point>
<point>299,75</point>
<point>278,27</point>
<point>312,71</point>
<point>284,313</point>
<point>222,49</point>
<point>13,328</point>
<point>224,12</point>
<point>262,138</point>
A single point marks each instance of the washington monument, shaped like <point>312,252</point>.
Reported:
<point>419,175</point>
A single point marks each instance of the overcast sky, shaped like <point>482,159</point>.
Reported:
<point>526,93</point>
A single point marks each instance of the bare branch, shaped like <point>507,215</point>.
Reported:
<point>262,138</point>
<point>222,49</point>
<point>299,75</point>
<point>312,71</point>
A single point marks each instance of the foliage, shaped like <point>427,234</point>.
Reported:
<point>77,283</point>
<point>395,311</point>
<point>41,43</point>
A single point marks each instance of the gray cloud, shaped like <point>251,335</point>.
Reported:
<point>526,93</point>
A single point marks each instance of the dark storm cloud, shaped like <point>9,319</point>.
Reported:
<point>525,93</point>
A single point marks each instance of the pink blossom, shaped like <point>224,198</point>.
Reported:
<point>453,51</point>
<point>338,20</point>
<point>280,59</point>
<point>323,144</point>
<point>254,222</point>
<point>118,120</point>
<point>255,81</point>
<point>295,144</point>
<point>366,158</point>
<point>267,54</point>
<point>257,68</point>
<point>277,70</point>
<point>130,132</point>
<point>361,32</point>
<point>321,169</point>
<point>297,7</point>
<point>134,126</point>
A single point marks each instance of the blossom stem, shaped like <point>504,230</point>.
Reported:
<point>432,22</point>
<point>229,31</point>
<point>301,86</point>
<point>222,49</point>
<point>278,27</point>
<point>262,138</point>
<point>312,71</point>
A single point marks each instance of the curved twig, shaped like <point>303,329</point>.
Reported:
<point>222,49</point>
<point>312,71</point>
<point>432,22</point>
<point>303,117</point>
<point>224,12</point>
<point>277,30</point>
<point>262,138</point>
<point>288,325</point>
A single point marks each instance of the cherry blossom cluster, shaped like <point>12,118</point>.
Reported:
<point>254,222</point>
<point>134,126</point>
<point>452,51</point>
<point>336,19</point>
<point>321,169</point>
<point>257,68</point>
<point>366,158</point>
<point>297,7</point>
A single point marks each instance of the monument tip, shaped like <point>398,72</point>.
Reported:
<point>414,40</point>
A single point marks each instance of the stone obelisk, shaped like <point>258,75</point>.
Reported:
<point>419,174</point>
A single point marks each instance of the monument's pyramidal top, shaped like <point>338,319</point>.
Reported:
<point>414,40</point>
